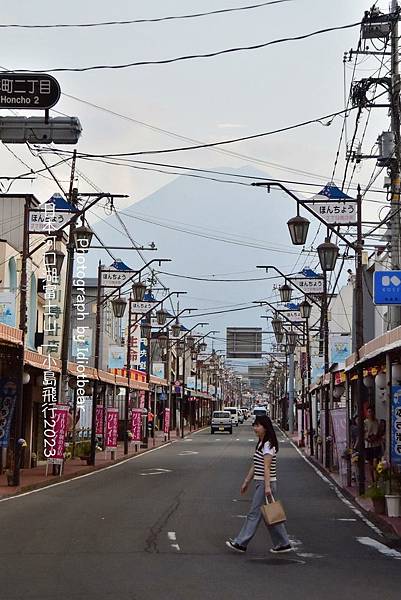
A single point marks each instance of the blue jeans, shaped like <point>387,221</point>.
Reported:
<point>278,533</point>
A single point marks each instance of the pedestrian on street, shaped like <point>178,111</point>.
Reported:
<point>264,473</point>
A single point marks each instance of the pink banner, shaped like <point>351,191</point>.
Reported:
<point>136,424</point>
<point>339,420</point>
<point>99,419</point>
<point>60,430</point>
<point>141,399</point>
<point>167,416</point>
<point>111,428</point>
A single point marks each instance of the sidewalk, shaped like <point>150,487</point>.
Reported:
<point>389,524</point>
<point>36,478</point>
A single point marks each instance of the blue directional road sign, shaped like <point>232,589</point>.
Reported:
<point>387,287</point>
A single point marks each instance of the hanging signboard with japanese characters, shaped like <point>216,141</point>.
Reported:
<point>29,91</point>
<point>47,220</point>
<point>396,425</point>
<point>141,307</point>
<point>309,285</point>
<point>114,277</point>
<point>334,206</point>
<point>111,428</point>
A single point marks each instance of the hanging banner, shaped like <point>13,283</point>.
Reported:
<point>317,364</point>
<point>111,428</point>
<point>340,348</point>
<point>158,369</point>
<point>136,424</point>
<point>141,399</point>
<point>8,395</point>
<point>143,355</point>
<point>396,425</point>
<point>117,357</point>
<point>99,419</point>
<point>167,419</point>
<point>135,346</point>
<point>191,382</point>
<point>60,432</point>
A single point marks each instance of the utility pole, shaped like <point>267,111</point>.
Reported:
<point>395,170</point>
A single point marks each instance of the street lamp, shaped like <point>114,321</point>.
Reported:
<point>163,340</point>
<point>82,238</point>
<point>305,309</point>
<point>279,337</point>
<point>54,258</point>
<point>161,316</point>
<point>298,227</point>
<point>119,304</point>
<point>180,349</point>
<point>285,293</point>
<point>277,325</point>
<point>190,341</point>
<point>292,338</point>
<point>176,329</point>
<point>145,329</point>
<point>328,253</point>
<point>138,291</point>
<point>203,346</point>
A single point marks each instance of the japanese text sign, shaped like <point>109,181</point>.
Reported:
<point>111,428</point>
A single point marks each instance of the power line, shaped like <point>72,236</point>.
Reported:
<point>218,143</point>
<point>150,20</point>
<point>192,56</point>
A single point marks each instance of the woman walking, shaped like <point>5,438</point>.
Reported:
<point>264,473</point>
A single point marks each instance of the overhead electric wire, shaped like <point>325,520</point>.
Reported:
<point>138,21</point>
<point>187,57</point>
<point>331,116</point>
<point>213,279</point>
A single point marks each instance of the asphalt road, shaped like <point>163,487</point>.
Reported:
<point>154,528</point>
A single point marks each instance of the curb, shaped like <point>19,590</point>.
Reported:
<point>89,469</point>
<point>392,537</point>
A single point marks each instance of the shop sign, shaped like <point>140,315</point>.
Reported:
<point>60,432</point>
<point>116,357</point>
<point>114,277</point>
<point>47,220</point>
<point>387,287</point>
<point>141,307</point>
<point>7,308</point>
<point>8,394</point>
<point>396,425</point>
<point>334,212</point>
<point>191,383</point>
<point>136,424</point>
<point>167,419</point>
<point>111,428</point>
<point>99,419</point>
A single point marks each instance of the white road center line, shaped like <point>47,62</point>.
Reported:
<point>187,453</point>
<point>385,550</point>
<point>347,520</point>
<point>172,536</point>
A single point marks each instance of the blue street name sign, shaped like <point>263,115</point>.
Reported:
<point>387,287</point>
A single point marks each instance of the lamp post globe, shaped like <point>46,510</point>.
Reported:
<point>291,348</point>
<point>162,339</point>
<point>54,259</point>
<point>292,338</point>
<point>328,253</point>
<point>279,337</point>
<point>82,238</point>
<point>138,291</point>
<point>203,346</point>
<point>161,317</point>
<point>145,330</point>
<point>118,304</point>
<point>277,325</point>
<point>176,329</point>
<point>305,309</point>
<point>298,227</point>
<point>285,293</point>
<point>190,341</point>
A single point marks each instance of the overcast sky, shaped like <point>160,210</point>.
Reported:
<point>205,99</point>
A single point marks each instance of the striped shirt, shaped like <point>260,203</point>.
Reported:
<point>259,463</point>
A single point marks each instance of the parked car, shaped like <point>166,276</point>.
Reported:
<point>241,416</point>
<point>221,421</point>
<point>234,414</point>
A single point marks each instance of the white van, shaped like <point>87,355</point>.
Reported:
<point>234,414</point>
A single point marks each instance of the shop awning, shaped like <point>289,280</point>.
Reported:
<point>41,361</point>
<point>10,335</point>
<point>391,340</point>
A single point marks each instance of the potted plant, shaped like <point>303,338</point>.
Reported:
<point>376,494</point>
<point>393,497</point>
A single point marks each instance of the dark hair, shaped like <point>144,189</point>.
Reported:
<point>270,434</point>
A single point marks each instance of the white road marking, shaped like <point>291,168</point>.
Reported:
<point>347,520</point>
<point>309,555</point>
<point>337,491</point>
<point>176,546</point>
<point>188,440</point>
<point>240,516</point>
<point>187,453</point>
<point>390,552</point>
<point>172,536</point>
<point>217,440</point>
<point>251,440</point>
<point>294,542</point>
<point>237,439</point>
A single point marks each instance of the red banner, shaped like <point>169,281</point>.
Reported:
<point>111,428</point>
<point>141,399</point>
<point>167,416</point>
<point>60,430</point>
<point>136,424</point>
<point>99,419</point>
